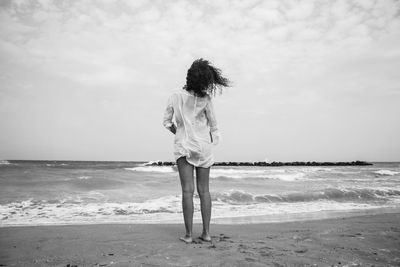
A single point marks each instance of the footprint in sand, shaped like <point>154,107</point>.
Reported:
<point>301,250</point>
<point>221,238</point>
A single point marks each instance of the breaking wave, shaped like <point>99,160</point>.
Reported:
<point>352,194</point>
<point>168,208</point>
<point>249,173</point>
<point>83,177</point>
<point>4,162</point>
<point>159,169</point>
<point>229,173</point>
<point>386,172</point>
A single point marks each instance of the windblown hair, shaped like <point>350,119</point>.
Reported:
<point>202,78</point>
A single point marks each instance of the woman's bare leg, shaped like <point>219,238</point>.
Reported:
<point>202,178</point>
<point>186,177</point>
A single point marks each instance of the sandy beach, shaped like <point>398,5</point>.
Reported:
<point>370,240</point>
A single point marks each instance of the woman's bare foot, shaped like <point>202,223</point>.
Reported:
<point>205,237</point>
<point>187,239</point>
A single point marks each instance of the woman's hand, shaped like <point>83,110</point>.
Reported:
<point>173,129</point>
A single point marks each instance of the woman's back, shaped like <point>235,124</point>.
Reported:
<point>195,120</point>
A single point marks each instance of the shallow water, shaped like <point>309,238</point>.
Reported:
<point>67,192</point>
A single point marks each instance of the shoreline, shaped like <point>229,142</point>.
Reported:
<point>238,220</point>
<point>353,241</point>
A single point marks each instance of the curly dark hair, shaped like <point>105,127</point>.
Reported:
<point>202,78</point>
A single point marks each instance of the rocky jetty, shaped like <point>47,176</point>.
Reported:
<point>273,164</point>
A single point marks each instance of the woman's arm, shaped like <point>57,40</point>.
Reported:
<point>212,122</point>
<point>168,114</point>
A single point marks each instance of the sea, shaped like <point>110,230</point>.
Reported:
<point>94,192</point>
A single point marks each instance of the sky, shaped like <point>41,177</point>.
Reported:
<point>314,80</point>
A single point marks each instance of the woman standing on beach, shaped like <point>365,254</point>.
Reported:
<point>195,133</point>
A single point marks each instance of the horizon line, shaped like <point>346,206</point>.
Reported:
<point>377,161</point>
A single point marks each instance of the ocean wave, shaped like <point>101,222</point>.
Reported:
<point>149,163</point>
<point>83,177</point>
<point>313,169</point>
<point>232,173</point>
<point>350,194</point>
<point>65,211</point>
<point>235,173</point>
<point>167,209</point>
<point>386,172</point>
<point>159,169</point>
<point>89,183</point>
<point>56,164</point>
<point>287,177</point>
<point>283,174</point>
<point>278,174</point>
<point>5,162</point>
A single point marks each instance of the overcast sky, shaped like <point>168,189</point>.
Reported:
<point>89,80</point>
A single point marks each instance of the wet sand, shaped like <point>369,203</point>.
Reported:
<point>370,240</point>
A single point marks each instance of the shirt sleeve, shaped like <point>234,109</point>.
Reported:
<point>212,122</point>
<point>168,114</point>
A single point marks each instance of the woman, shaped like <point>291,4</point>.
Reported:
<point>195,132</point>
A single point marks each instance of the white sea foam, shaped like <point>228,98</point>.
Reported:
<point>239,173</point>
<point>316,169</point>
<point>288,177</point>
<point>162,169</point>
<point>232,203</point>
<point>236,173</point>
<point>337,194</point>
<point>4,162</point>
<point>83,177</point>
<point>386,172</point>
<point>30,212</point>
<point>164,209</point>
<point>279,174</point>
<point>150,163</point>
<point>291,209</point>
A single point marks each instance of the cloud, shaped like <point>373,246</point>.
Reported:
<point>284,57</point>
<point>300,10</point>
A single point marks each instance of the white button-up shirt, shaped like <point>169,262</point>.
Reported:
<point>196,127</point>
